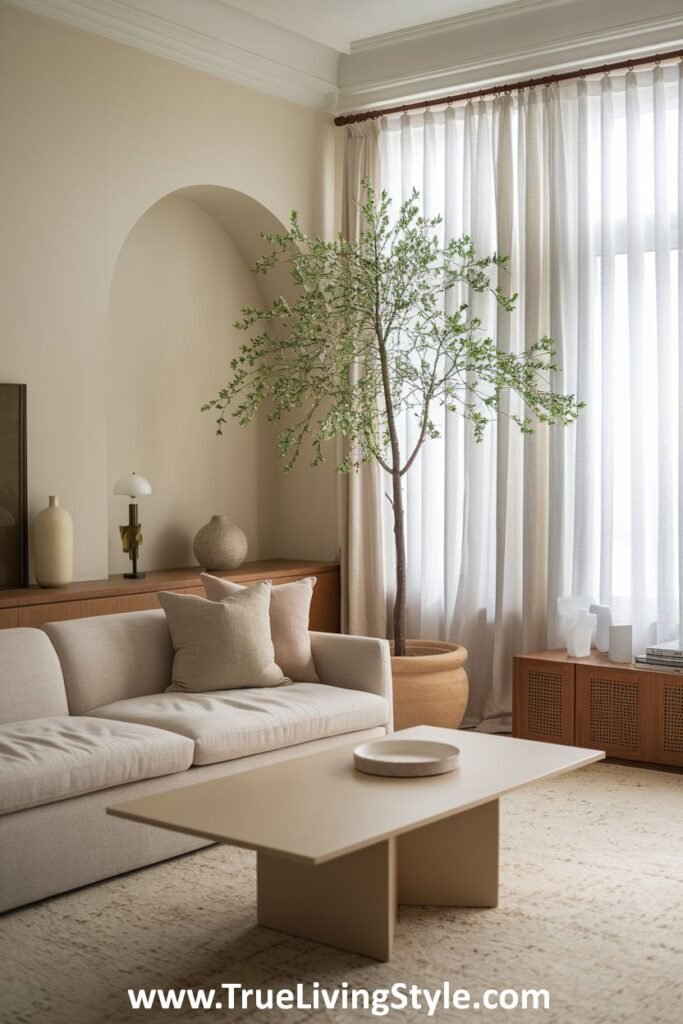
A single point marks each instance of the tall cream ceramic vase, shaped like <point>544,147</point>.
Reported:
<point>53,546</point>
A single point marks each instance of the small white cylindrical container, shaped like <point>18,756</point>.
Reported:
<point>621,643</point>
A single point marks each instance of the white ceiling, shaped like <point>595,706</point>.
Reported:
<point>340,23</point>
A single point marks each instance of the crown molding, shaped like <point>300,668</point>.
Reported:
<point>433,29</point>
<point>236,59</point>
<point>518,39</point>
<point>401,83</point>
<point>279,13</point>
<point>323,31</point>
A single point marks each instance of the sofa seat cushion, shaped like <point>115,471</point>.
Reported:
<point>229,724</point>
<point>47,759</point>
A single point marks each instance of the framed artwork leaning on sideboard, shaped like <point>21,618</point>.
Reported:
<point>13,495</point>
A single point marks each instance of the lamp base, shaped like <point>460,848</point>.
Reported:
<point>134,575</point>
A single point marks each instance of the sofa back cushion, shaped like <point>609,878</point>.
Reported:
<point>112,657</point>
<point>31,683</point>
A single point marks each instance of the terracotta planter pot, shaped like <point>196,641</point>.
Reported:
<point>430,685</point>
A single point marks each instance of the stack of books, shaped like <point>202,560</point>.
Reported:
<point>669,655</point>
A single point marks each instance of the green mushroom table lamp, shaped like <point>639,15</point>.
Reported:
<point>131,535</point>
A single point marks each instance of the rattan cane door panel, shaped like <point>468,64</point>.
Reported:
<point>615,712</point>
<point>543,701</point>
<point>669,715</point>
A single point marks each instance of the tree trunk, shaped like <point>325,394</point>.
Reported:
<point>400,542</point>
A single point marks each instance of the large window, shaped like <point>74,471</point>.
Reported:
<point>581,185</point>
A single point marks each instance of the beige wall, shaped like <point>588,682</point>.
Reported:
<point>95,133</point>
<point>178,287</point>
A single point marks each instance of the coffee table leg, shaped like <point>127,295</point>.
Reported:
<point>453,862</point>
<point>348,902</point>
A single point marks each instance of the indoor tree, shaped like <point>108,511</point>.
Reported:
<point>379,327</point>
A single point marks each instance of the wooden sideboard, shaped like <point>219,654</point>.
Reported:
<point>634,712</point>
<point>33,606</point>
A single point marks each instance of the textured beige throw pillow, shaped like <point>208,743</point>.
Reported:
<point>222,645</point>
<point>290,605</point>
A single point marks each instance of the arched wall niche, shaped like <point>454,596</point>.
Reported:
<point>179,283</point>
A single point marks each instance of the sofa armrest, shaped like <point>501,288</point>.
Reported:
<point>355,663</point>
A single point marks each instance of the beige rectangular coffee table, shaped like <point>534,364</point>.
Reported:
<point>338,851</point>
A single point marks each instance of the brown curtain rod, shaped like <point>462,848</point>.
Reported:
<point>494,90</point>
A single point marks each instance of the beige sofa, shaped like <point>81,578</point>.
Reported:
<point>85,722</point>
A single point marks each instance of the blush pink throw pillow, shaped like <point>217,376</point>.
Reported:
<point>290,605</point>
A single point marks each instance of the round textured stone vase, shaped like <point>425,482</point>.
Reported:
<point>430,684</point>
<point>53,545</point>
<point>220,544</point>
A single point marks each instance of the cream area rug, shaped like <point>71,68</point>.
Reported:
<point>591,909</point>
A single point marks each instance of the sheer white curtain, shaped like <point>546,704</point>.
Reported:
<point>363,574</point>
<point>582,185</point>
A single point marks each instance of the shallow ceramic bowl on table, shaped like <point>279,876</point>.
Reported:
<point>405,758</point>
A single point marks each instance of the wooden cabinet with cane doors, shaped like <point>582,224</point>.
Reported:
<point>591,702</point>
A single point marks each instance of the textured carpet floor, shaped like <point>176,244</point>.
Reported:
<point>591,909</point>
